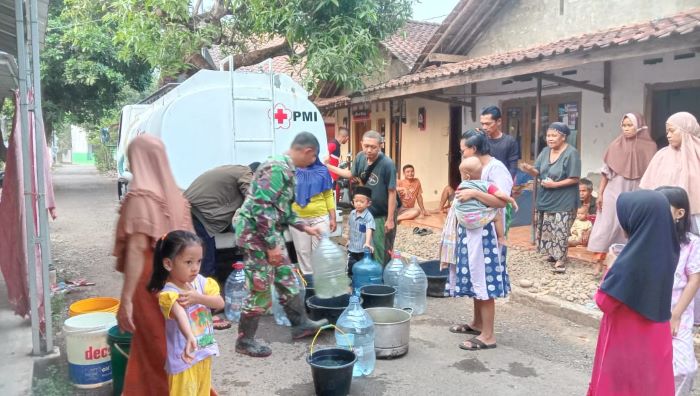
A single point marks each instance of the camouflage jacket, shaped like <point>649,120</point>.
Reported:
<point>267,208</point>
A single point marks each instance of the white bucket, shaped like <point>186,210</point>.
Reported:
<point>88,353</point>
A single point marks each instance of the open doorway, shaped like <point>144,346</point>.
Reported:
<point>455,155</point>
<point>669,98</point>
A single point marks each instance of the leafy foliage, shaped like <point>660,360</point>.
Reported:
<point>339,38</point>
<point>82,77</point>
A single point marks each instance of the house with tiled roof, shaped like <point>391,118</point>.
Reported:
<point>589,63</point>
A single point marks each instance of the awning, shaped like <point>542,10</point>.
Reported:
<point>8,75</point>
<point>8,41</point>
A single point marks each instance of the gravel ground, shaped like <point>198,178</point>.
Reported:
<point>527,269</point>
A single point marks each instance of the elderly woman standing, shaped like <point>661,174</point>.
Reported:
<point>625,161</point>
<point>476,260</point>
<point>678,164</point>
<point>314,203</point>
<point>559,168</point>
<point>153,206</point>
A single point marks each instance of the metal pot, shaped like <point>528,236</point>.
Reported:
<point>392,331</point>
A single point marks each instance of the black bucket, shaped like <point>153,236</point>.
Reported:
<point>374,296</point>
<point>327,308</point>
<point>436,278</point>
<point>331,369</point>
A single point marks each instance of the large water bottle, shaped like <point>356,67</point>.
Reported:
<point>413,286</point>
<point>393,270</point>
<point>359,334</point>
<point>277,310</point>
<point>235,291</point>
<point>366,272</point>
<point>329,264</point>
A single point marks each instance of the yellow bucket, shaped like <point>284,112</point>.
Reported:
<point>94,304</point>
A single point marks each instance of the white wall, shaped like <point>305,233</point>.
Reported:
<point>598,128</point>
<point>427,150</point>
<point>527,23</point>
<point>79,141</point>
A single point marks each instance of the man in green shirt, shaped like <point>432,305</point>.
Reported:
<point>259,224</point>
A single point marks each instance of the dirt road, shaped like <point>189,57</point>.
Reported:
<point>536,354</point>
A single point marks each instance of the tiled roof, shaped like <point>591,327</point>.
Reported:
<point>333,102</point>
<point>679,24</point>
<point>408,43</point>
<point>280,64</point>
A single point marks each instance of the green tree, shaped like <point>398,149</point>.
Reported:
<point>83,79</point>
<point>338,38</point>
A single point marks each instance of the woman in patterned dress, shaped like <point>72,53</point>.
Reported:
<point>476,260</point>
<point>559,168</point>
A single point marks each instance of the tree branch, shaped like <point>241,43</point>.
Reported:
<point>257,56</point>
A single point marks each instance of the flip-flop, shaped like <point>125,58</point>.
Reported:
<point>464,329</point>
<point>477,345</point>
<point>561,269</point>
<point>416,230</point>
<point>221,324</point>
<point>424,232</point>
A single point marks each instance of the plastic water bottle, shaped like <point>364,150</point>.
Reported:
<point>393,270</point>
<point>366,272</point>
<point>235,291</point>
<point>329,264</point>
<point>277,310</point>
<point>358,327</point>
<point>413,286</point>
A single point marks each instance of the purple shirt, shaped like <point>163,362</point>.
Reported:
<point>202,326</point>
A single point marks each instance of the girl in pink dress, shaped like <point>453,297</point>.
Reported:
<point>634,355</point>
<point>685,287</point>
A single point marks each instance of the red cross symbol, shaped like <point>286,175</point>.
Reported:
<point>282,116</point>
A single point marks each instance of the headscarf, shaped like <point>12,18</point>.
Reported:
<point>312,180</point>
<point>561,128</point>
<point>154,204</point>
<point>678,167</point>
<point>642,275</point>
<point>629,157</point>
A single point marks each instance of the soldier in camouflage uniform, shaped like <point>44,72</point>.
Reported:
<point>259,224</point>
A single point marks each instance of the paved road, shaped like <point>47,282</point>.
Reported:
<point>536,354</point>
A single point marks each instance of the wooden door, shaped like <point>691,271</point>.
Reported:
<point>359,128</point>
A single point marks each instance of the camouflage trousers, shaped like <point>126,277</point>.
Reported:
<point>260,275</point>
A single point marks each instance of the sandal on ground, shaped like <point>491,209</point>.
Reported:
<point>221,324</point>
<point>559,268</point>
<point>424,232</point>
<point>464,329</point>
<point>416,230</point>
<point>476,344</point>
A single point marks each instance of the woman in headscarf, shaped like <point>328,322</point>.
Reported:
<point>625,161</point>
<point>678,164</point>
<point>314,203</point>
<point>153,207</point>
<point>559,168</point>
<point>634,355</point>
<point>476,260</point>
